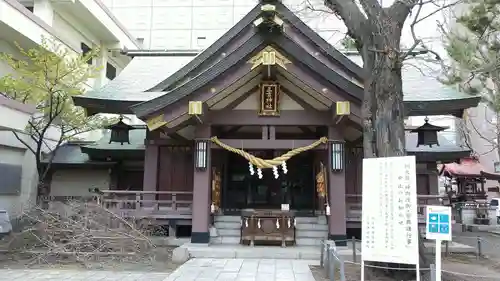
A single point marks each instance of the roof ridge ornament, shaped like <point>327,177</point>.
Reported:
<point>268,20</point>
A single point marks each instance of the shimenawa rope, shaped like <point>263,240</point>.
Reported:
<point>269,163</point>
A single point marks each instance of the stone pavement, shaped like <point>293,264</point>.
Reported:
<point>198,269</point>
<point>77,275</point>
<point>201,269</point>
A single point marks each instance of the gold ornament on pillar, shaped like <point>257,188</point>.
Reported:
<point>216,182</point>
<point>322,187</point>
<point>321,181</point>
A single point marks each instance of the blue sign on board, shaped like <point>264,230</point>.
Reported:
<point>438,223</point>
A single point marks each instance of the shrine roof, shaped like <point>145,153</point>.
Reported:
<point>155,79</point>
<point>421,90</point>
<point>447,150</point>
<point>102,149</point>
<point>70,155</point>
<point>169,85</point>
<point>424,94</point>
<point>467,168</point>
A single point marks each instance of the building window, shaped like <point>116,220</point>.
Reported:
<point>201,41</point>
<point>110,71</point>
<point>85,51</point>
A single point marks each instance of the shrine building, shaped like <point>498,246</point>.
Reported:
<point>259,133</point>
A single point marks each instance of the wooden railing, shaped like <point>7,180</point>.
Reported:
<point>151,204</point>
<point>353,205</point>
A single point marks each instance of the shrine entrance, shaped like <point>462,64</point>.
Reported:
<point>241,190</point>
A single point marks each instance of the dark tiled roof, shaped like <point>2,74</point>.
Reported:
<point>445,145</point>
<point>141,74</point>
<point>136,137</point>
<point>69,153</point>
<point>137,77</point>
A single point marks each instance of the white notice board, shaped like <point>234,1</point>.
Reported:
<point>389,210</point>
<point>438,223</point>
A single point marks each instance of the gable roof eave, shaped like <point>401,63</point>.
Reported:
<point>247,49</point>
<point>322,44</point>
<point>299,54</point>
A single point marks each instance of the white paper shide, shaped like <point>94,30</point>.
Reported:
<point>389,210</point>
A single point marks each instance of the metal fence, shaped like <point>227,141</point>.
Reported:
<point>332,262</point>
<point>335,266</point>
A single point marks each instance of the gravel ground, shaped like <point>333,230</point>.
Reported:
<point>159,260</point>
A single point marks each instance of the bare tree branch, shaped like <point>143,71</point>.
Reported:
<point>352,16</point>
<point>400,10</point>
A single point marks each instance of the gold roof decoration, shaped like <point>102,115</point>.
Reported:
<point>269,56</point>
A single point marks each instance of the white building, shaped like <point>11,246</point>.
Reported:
<point>195,24</point>
<point>79,25</point>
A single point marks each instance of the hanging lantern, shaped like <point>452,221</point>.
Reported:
<point>337,156</point>
<point>427,134</point>
<point>120,132</point>
<point>201,154</point>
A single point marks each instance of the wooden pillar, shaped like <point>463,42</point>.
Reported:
<point>336,195</point>
<point>201,193</point>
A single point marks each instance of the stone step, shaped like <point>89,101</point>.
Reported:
<point>260,252</point>
<point>308,241</point>
<point>311,234</point>
<point>225,240</point>
<point>227,219</point>
<point>311,226</point>
<point>315,235</point>
<point>227,225</point>
<point>229,232</point>
<point>315,220</point>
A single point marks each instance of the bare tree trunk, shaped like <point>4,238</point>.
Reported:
<point>383,111</point>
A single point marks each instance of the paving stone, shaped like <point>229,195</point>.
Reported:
<point>77,275</point>
<point>198,269</point>
<point>227,276</point>
<point>246,278</point>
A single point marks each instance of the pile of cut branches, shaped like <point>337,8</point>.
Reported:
<point>82,232</point>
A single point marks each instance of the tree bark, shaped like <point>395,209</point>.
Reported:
<point>383,112</point>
